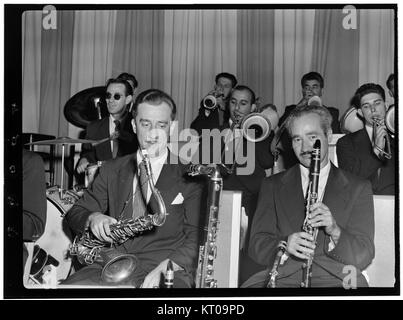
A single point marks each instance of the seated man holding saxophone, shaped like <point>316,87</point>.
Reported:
<point>370,152</point>
<point>148,230</point>
<point>322,239</point>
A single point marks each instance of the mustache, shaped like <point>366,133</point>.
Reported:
<point>305,153</point>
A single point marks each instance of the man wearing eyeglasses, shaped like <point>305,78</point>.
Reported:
<point>117,127</point>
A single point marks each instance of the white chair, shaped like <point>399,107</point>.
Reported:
<point>381,272</point>
<point>332,148</point>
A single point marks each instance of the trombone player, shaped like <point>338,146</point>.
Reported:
<point>370,152</point>
<point>343,214</point>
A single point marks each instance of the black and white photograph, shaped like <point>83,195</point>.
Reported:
<point>200,150</point>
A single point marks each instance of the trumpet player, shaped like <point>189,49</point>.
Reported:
<point>312,85</point>
<point>343,214</point>
<point>120,192</point>
<point>370,152</point>
<point>213,111</point>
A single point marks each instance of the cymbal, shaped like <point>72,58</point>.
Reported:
<point>61,140</point>
<point>81,109</point>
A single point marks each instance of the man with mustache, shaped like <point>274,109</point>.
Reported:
<point>115,195</point>
<point>119,95</point>
<point>361,152</point>
<point>343,214</point>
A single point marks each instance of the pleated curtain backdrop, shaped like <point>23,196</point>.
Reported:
<point>181,51</point>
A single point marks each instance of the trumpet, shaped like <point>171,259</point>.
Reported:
<point>376,123</point>
<point>210,101</point>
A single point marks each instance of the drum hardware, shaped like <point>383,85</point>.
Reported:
<point>86,106</point>
<point>61,141</point>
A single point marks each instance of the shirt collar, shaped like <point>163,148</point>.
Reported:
<point>323,171</point>
<point>160,159</point>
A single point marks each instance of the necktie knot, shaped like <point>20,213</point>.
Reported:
<point>117,125</point>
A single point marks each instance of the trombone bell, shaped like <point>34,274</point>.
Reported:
<point>261,123</point>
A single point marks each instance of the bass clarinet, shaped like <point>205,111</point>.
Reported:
<point>208,251</point>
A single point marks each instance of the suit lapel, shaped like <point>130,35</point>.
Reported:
<point>336,191</point>
<point>106,146</point>
<point>292,199</point>
<point>124,187</point>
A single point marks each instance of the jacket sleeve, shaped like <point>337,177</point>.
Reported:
<point>186,256</point>
<point>95,199</point>
<point>87,150</point>
<point>264,237</point>
<point>356,243</point>
<point>349,159</point>
<point>34,196</point>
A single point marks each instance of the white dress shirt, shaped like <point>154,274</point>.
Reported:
<point>156,167</point>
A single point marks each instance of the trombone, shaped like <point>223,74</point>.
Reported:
<point>389,122</point>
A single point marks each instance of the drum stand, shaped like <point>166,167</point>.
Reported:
<point>61,190</point>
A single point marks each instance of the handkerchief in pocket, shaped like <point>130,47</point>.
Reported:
<point>178,199</point>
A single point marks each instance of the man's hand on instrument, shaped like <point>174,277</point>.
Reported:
<point>379,139</point>
<point>99,225</point>
<point>302,102</point>
<point>300,244</point>
<point>320,216</point>
<point>82,164</point>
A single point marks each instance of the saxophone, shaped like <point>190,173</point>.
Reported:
<point>118,267</point>
<point>312,198</point>
<point>208,251</point>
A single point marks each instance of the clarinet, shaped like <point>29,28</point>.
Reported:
<point>312,198</point>
<point>169,276</point>
<point>282,247</point>
<point>208,251</point>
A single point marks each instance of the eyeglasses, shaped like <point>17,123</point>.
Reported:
<point>116,96</point>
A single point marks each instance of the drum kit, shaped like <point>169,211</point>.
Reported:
<point>49,254</point>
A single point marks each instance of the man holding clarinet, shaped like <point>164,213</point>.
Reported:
<point>327,242</point>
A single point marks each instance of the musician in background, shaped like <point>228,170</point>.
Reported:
<point>390,83</point>
<point>312,84</point>
<point>216,117</point>
<point>33,198</point>
<point>344,214</point>
<point>113,198</point>
<point>117,126</point>
<point>133,83</point>
<point>361,152</point>
<point>242,102</point>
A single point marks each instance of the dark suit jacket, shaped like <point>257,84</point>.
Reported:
<point>288,155</point>
<point>281,212</point>
<point>176,239</point>
<point>99,129</point>
<point>34,196</point>
<point>354,154</point>
<point>260,160</point>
